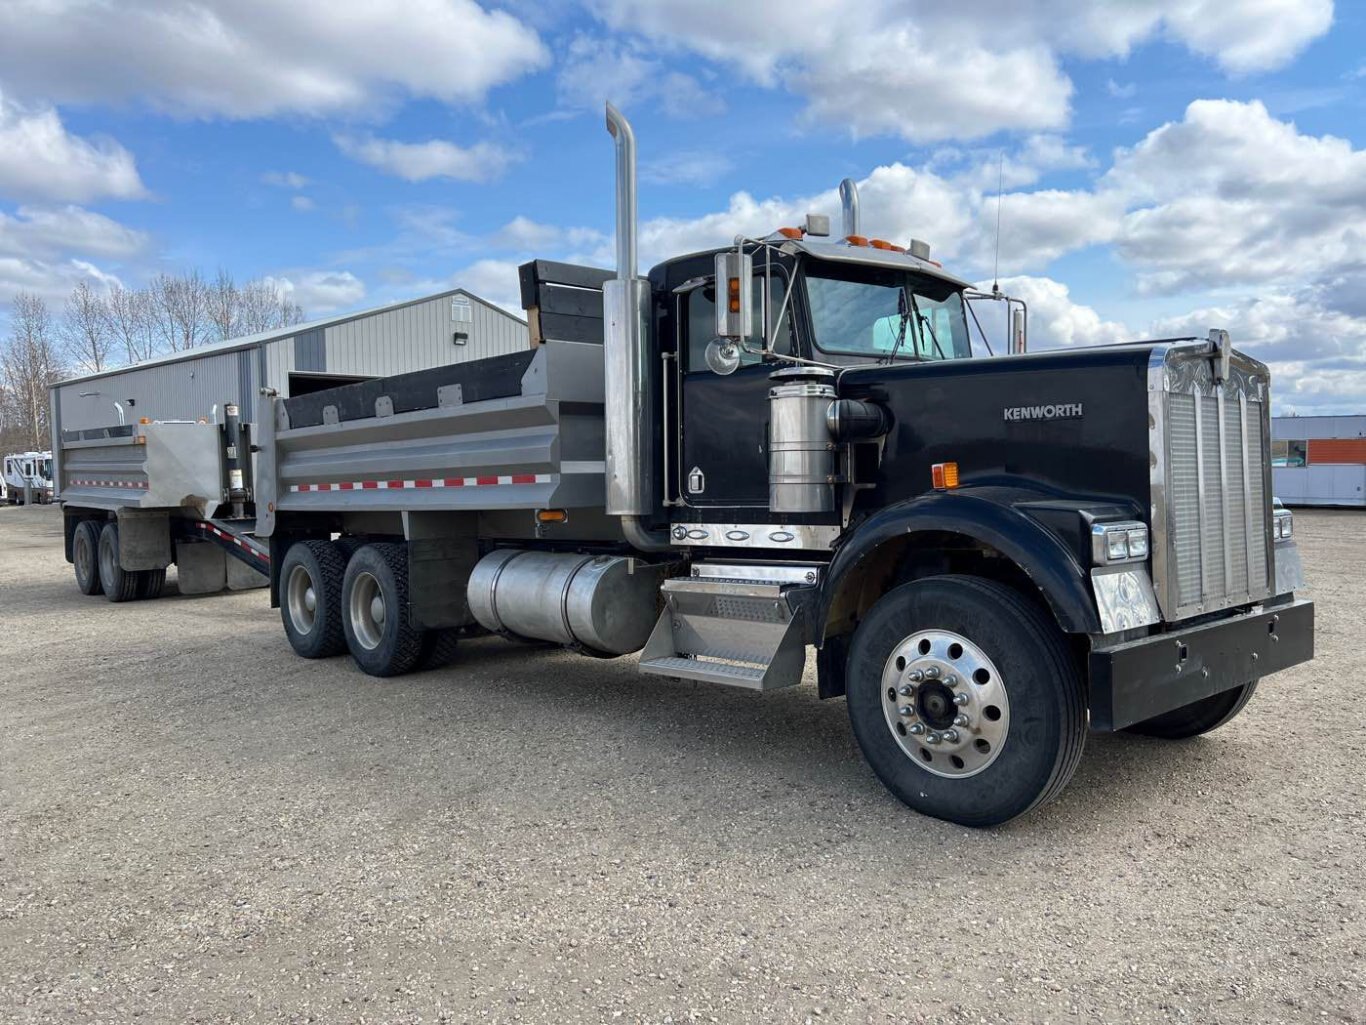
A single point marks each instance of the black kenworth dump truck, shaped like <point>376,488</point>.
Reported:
<point>796,443</point>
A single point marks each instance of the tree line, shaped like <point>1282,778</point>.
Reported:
<point>101,328</point>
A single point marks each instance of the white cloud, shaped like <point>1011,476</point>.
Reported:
<point>50,280</point>
<point>435,158</point>
<point>525,235</point>
<point>226,57</point>
<point>1055,321</point>
<point>595,69</point>
<point>301,204</point>
<point>40,159</point>
<point>694,167</point>
<point>285,179</point>
<point>320,291</point>
<point>1121,91</point>
<point>494,280</point>
<point>45,232</point>
<point>923,70</point>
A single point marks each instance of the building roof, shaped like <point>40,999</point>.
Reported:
<point>249,341</point>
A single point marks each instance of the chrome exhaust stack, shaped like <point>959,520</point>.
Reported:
<point>628,402</point>
<point>849,205</point>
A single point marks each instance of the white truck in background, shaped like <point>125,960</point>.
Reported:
<point>27,470</point>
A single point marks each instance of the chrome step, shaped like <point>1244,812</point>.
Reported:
<point>710,624</point>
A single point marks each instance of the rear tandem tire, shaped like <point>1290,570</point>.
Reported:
<point>118,583</point>
<point>438,647</point>
<point>375,611</point>
<point>85,556</point>
<point>965,699</point>
<point>311,575</point>
<point>1198,717</point>
<point>150,583</point>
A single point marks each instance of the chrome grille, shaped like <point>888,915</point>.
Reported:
<point>1211,506</point>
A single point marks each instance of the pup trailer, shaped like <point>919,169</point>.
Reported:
<point>791,444</point>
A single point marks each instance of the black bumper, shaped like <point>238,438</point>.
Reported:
<point>1138,680</point>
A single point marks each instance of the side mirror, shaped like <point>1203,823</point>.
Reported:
<point>734,272</point>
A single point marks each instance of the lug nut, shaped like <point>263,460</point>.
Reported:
<point>905,710</point>
<point>917,728</point>
<point>916,676</point>
<point>960,720</point>
<point>950,680</point>
<point>932,673</point>
<point>950,736</point>
<point>905,690</point>
<point>932,737</point>
<point>960,699</point>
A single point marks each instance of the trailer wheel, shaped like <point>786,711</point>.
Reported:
<point>1198,717</point>
<point>150,583</point>
<point>310,598</point>
<point>375,611</point>
<point>118,583</point>
<point>85,557</point>
<point>965,700</point>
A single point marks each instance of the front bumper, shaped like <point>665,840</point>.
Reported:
<point>1140,679</point>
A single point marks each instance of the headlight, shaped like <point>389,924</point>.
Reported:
<point>1119,542</point>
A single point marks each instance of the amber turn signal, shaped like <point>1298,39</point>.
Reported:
<point>944,476</point>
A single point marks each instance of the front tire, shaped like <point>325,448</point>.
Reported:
<point>965,700</point>
<point>85,557</point>
<point>1198,717</point>
<point>375,611</point>
<point>310,598</point>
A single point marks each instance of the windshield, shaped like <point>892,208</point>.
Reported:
<point>875,312</point>
<point>47,469</point>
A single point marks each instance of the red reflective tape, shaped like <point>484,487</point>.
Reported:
<point>345,485</point>
<point>524,478</point>
<point>395,484</point>
<point>422,483</point>
<point>369,485</point>
<point>455,482</point>
<point>482,481</point>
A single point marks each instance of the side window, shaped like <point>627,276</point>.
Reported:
<point>701,322</point>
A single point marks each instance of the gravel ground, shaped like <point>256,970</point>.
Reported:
<point>196,826</point>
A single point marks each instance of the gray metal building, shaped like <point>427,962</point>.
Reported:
<point>449,327</point>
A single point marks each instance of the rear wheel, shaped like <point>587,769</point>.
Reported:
<point>85,556</point>
<point>965,700</point>
<point>375,611</point>
<point>1198,717</point>
<point>118,583</point>
<point>151,582</point>
<point>438,647</point>
<point>310,598</point>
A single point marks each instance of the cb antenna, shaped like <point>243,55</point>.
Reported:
<point>996,265</point>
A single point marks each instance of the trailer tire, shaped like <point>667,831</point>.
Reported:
<point>439,647</point>
<point>85,556</point>
<point>375,611</point>
<point>118,583</point>
<point>985,654</point>
<point>311,574</point>
<point>1198,717</point>
<point>151,582</point>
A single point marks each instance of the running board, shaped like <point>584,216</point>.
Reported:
<point>734,632</point>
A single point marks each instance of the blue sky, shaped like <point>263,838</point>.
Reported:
<point>1170,166</point>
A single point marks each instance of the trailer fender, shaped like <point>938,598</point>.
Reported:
<point>958,518</point>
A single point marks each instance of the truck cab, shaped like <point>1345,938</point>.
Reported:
<point>31,470</point>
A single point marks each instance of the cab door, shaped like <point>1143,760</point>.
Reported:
<point>723,450</point>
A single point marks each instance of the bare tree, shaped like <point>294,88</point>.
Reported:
<point>225,303</point>
<point>179,309</point>
<point>28,364</point>
<point>128,322</point>
<point>85,328</point>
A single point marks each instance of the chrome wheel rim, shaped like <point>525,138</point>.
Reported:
<point>302,597</point>
<point>945,703</point>
<point>368,612</point>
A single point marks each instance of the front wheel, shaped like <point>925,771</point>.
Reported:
<point>1198,717</point>
<point>965,700</point>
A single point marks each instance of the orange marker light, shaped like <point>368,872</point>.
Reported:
<point>144,420</point>
<point>551,516</point>
<point>944,476</point>
<point>733,289</point>
<point>856,240</point>
<point>882,243</point>
<point>790,232</point>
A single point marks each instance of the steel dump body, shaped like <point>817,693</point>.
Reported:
<point>520,431</point>
<point>142,466</point>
